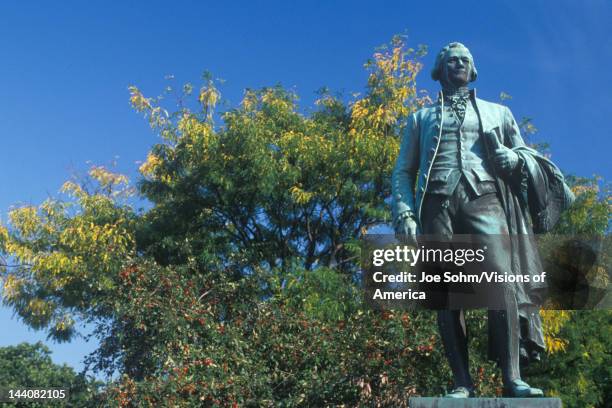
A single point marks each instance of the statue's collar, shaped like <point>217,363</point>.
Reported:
<point>471,92</point>
<point>489,122</point>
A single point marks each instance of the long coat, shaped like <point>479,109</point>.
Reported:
<point>536,182</point>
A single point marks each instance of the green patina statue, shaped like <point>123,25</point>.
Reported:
<point>463,168</point>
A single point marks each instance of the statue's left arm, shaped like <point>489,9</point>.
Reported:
<point>537,179</point>
<point>512,132</point>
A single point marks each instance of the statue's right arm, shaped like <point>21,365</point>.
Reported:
<point>405,171</point>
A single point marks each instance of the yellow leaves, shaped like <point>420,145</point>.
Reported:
<point>553,321</point>
<point>106,178</point>
<point>580,189</point>
<point>166,179</point>
<point>382,116</point>
<point>391,93</point>
<point>360,110</point>
<point>40,310</point>
<point>11,287</point>
<point>554,345</point>
<point>209,96</point>
<point>327,101</point>
<point>387,63</point>
<point>272,98</point>
<point>4,236</point>
<point>195,134</point>
<point>26,219</point>
<point>147,168</point>
<point>158,117</point>
<point>97,240</point>
<point>300,196</point>
<point>72,188</point>
<point>249,102</point>
<point>57,269</point>
<point>138,101</point>
<point>65,324</point>
<point>403,93</point>
<point>109,183</point>
<point>64,248</point>
<point>84,260</point>
<point>398,56</point>
<point>268,96</point>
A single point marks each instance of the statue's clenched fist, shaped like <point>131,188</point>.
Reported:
<point>406,229</point>
<point>505,159</point>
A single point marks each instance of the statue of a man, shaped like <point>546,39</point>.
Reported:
<point>463,168</point>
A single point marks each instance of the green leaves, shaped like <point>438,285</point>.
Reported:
<point>272,184</point>
<point>30,366</point>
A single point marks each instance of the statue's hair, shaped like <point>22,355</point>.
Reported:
<point>436,72</point>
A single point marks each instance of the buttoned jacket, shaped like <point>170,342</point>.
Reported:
<point>420,143</point>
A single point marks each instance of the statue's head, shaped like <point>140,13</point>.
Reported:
<point>454,66</point>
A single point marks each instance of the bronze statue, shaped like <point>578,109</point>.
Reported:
<point>463,168</point>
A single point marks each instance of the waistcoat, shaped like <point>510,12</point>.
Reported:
<point>461,153</point>
<point>419,148</point>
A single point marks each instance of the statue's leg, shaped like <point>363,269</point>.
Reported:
<point>484,217</point>
<point>454,337</point>
<point>504,333</point>
<point>436,224</point>
<point>437,220</point>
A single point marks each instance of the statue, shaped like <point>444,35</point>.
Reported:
<point>463,168</point>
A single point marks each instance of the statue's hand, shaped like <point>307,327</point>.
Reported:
<point>406,229</point>
<point>505,159</point>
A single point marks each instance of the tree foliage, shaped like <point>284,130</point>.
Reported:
<point>30,366</point>
<point>67,253</point>
<point>581,374</point>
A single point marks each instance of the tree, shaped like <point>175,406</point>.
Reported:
<point>30,366</point>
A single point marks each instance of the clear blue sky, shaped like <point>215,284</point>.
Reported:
<point>65,68</point>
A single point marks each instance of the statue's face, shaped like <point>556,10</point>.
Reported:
<point>457,67</point>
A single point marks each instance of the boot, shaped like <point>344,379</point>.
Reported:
<point>520,389</point>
